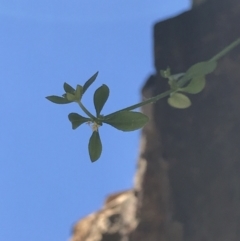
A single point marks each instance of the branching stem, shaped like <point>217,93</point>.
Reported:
<point>86,111</point>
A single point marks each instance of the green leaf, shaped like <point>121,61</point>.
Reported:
<point>195,86</point>
<point>77,120</point>
<point>76,95</point>
<point>78,92</point>
<point>71,97</point>
<point>95,146</point>
<point>89,82</point>
<point>179,101</point>
<point>68,88</point>
<point>126,120</point>
<point>202,68</point>
<point>100,98</point>
<point>58,99</point>
<point>199,69</point>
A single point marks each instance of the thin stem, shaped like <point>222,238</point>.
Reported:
<point>162,95</point>
<point>148,101</point>
<point>226,50</point>
<point>86,111</point>
<point>185,79</point>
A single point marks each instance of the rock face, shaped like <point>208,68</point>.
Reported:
<point>195,3</point>
<point>114,222</point>
<point>187,184</point>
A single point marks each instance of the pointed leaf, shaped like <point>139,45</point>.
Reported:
<point>199,69</point>
<point>68,88</point>
<point>195,86</point>
<point>58,99</point>
<point>179,101</point>
<point>100,98</point>
<point>95,146</point>
<point>77,120</point>
<point>70,97</point>
<point>78,92</point>
<point>89,82</point>
<point>126,120</point>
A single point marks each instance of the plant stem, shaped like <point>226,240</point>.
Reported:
<point>86,111</point>
<point>148,101</point>
<point>185,79</point>
<point>226,50</point>
<point>162,95</point>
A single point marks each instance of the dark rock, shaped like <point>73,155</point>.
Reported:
<point>190,184</point>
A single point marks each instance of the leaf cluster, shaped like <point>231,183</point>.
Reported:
<point>195,77</point>
<point>124,120</point>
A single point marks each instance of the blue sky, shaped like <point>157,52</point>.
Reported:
<point>47,181</point>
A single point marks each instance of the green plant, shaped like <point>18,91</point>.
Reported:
<point>191,82</point>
